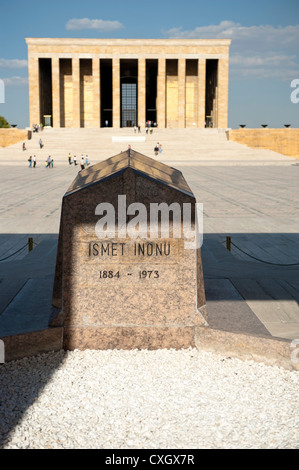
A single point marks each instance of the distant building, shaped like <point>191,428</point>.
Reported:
<point>173,83</point>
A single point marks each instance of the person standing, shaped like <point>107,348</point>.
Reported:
<point>75,160</point>
<point>70,158</point>
<point>86,160</point>
<point>82,162</point>
<point>40,143</point>
<point>30,161</point>
<point>34,161</point>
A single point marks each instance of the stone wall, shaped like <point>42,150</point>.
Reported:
<point>284,141</point>
<point>12,136</point>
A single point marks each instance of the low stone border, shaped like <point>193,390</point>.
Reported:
<point>270,351</point>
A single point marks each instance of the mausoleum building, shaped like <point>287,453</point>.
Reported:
<point>174,83</point>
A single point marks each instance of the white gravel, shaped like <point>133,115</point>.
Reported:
<point>165,399</point>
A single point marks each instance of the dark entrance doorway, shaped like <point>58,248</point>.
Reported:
<point>211,92</point>
<point>129,92</point>
<point>45,89</point>
<point>151,89</point>
<point>128,104</point>
<point>106,92</point>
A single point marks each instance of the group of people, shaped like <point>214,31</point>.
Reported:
<point>149,127</point>
<point>84,160</point>
<point>37,127</point>
<point>33,161</point>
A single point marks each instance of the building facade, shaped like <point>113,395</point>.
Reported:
<point>174,83</point>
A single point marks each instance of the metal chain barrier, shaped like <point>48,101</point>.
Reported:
<point>229,243</point>
<point>18,251</point>
<point>29,244</point>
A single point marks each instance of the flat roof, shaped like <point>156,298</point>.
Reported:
<point>127,41</point>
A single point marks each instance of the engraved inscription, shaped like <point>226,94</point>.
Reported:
<point>123,249</point>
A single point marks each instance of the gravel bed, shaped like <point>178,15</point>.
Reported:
<point>165,399</point>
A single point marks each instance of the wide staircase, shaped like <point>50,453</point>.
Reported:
<point>179,146</point>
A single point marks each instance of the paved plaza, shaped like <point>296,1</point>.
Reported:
<point>250,195</point>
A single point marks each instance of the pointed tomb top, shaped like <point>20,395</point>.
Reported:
<point>146,166</point>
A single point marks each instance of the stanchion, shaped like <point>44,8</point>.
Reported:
<point>30,244</point>
<point>228,243</point>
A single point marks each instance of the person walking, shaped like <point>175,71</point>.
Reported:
<point>70,158</point>
<point>34,161</point>
<point>86,160</point>
<point>48,162</point>
<point>156,150</point>
<point>30,161</point>
<point>24,146</point>
<point>75,160</point>
<point>40,143</point>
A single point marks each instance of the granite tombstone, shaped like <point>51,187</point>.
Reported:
<point>126,277</point>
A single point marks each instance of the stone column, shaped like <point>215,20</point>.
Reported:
<point>141,92</point>
<point>201,93</point>
<point>96,92</point>
<point>55,92</point>
<point>34,92</point>
<point>222,105</point>
<point>76,91</point>
<point>116,93</point>
<point>182,92</point>
<point>161,93</point>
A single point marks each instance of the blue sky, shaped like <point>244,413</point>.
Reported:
<point>264,54</point>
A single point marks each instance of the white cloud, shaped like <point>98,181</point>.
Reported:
<point>13,63</point>
<point>263,36</point>
<point>279,66</point>
<point>259,51</point>
<point>15,81</point>
<point>86,23</point>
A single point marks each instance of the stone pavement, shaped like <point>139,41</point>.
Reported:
<point>250,195</point>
